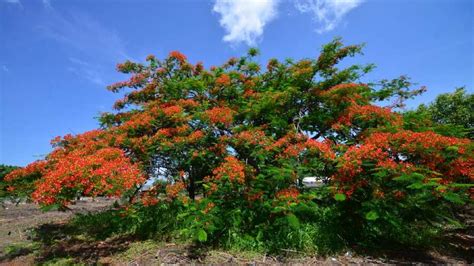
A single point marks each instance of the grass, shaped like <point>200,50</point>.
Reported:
<point>19,249</point>
<point>139,249</point>
<point>62,261</point>
<point>104,238</point>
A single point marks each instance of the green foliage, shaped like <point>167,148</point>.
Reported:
<point>455,108</point>
<point>340,197</point>
<point>450,114</point>
<point>372,215</point>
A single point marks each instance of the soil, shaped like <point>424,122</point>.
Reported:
<point>17,219</point>
<point>17,222</point>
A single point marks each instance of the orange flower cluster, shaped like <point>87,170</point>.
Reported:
<point>272,64</point>
<point>398,194</point>
<point>135,81</point>
<point>252,137</point>
<point>249,93</point>
<point>232,61</point>
<point>231,168</point>
<point>368,113</point>
<point>223,80</point>
<point>428,147</point>
<point>172,110</point>
<point>346,93</point>
<point>198,68</point>
<point>462,167</point>
<point>165,132</point>
<point>187,103</point>
<point>120,104</point>
<point>322,147</point>
<point>173,190</point>
<point>425,149</point>
<point>126,67</point>
<point>195,136</point>
<point>149,198</point>
<point>218,149</point>
<point>181,134</point>
<point>223,115</point>
<point>150,57</point>
<point>83,164</point>
<point>295,144</point>
<point>304,68</point>
<point>139,121</point>
<point>353,158</point>
<point>416,141</point>
<point>255,196</point>
<point>37,167</point>
<point>115,87</point>
<point>249,85</point>
<point>178,56</point>
<point>288,194</point>
<point>209,207</point>
<point>343,88</point>
<point>379,194</point>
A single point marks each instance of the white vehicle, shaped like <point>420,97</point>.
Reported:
<point>313,181</point>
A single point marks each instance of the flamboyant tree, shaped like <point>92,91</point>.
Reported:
<point>244,137</point>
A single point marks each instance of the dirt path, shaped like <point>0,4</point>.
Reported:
<point>16,221</point>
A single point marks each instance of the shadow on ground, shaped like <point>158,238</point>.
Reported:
<point>56,241</point>
<point>103,238</point>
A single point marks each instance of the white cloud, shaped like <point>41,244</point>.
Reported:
<point>84,34</point>
<point>93,48</point>
<point>47,4</point>
<point>12,1</point>
<point>87,70</point>
<point>327,13</point>
<point>244,20</point>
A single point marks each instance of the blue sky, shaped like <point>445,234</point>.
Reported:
<point>57,56</point>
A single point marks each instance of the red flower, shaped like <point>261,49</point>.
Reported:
<point>178,56</point>
<point>84,163</point>
<point>209,207</point>
<point>223,80</point>
<point>149,199</point>
<point>404,152</point>
<point>231,168</point>
<point>172,190</point>
<point>195,136</point>
<point>188,103</point>
<point>288,194</point>
<point>255,196</point>
<point>222,115</point>
<point>172,110</point>
<point>252,137</point>
<point>368,113</point>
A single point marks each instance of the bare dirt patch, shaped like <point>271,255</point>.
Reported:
<point>18,220</point>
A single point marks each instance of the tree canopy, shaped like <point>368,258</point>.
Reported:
<point>236,141</point>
